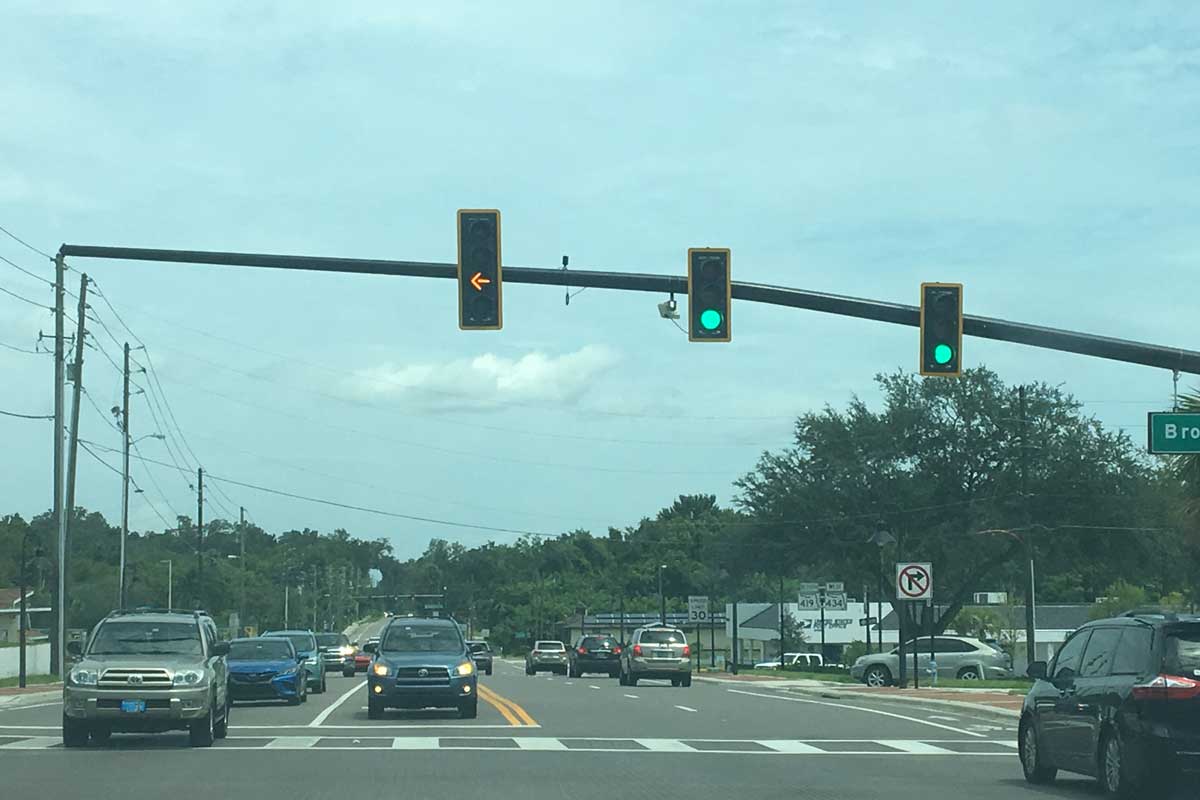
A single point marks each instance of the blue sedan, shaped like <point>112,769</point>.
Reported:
<point>266,669</point>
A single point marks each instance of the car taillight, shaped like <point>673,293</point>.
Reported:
<point>687,651</point>
<point>637,649</point>
<point>616,651</point>
<point>582,651</point>
<point>1167,687</point>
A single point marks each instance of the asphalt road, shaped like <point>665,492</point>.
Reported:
<point>544,737</point>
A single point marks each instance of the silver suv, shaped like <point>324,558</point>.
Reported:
<point>956,657</point>
<point>657,651</point>
<point>148,671</point>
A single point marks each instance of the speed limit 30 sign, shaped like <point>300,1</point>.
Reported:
<point>914,580</point>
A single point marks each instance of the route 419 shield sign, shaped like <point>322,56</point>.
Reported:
<point>914,580</point>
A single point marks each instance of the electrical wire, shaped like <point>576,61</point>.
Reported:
<point>31,274</point>
<point>84,444</point>
<point>26,416</point>
<point>21,241</point>
<point>154,482</point>
<point>16,349</point>
<point>24,299</point>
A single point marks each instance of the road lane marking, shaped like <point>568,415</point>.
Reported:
<point>292,742</point>
<point>538,743</point>
<point>915,747</point>
<point>324,715</point>
<point>789,746</point>
<point>632,696</point>
<point>33,743</point>
<point>943,719</point>
<point>593,686</point>
<point>365,726</point>
<point>510,709</point>
<point>685,708</point>
<point>570,683</point>
<point>30,727</point>
<point>860,708</point>
<point>35,705</point>
<point>665,746</point>
<point>415,743</point>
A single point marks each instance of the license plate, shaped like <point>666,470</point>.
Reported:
<point>663,654</point>
<point>133,706</point>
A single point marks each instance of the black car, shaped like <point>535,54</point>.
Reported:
<point>1121,702</point>
<point>481,654</point>
<point>337,653</point>
<point>594,654</point>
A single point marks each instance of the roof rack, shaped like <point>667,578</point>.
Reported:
<point>192,612</point>
<point>1170,616</point>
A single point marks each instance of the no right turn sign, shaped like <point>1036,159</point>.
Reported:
<point>914,581</point>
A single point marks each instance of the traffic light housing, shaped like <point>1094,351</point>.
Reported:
<point>480,297</point>
<point>709,294</point>
<point>941,329</point>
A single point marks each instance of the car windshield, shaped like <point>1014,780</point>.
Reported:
<point>303,642</point>
<point>1181,654</point>
<point>146,638</point>
<point>332,639</point>
<point>662,637</point>
<point>421,639</point>
<point>263,649</point>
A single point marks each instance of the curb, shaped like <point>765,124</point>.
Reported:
<point>30,698</point>
<point>962,705</point>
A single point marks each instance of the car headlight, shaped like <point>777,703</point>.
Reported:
<point>289,672</point>
<point>466,668</point>
<point>346,650</point>
<point>82,676</point>
<point>187,677</point>
<point>380,669</point>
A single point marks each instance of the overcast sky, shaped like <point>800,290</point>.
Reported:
<point>1045,155</point>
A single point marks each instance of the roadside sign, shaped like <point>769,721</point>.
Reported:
<point>835,586</point>
<point>868,620</point>
<point>835,601</point>
<point>697,608</point>
<point>810,601</point>
<point>1170,432</point>
<point>914,580</point>
<point>810,588</point>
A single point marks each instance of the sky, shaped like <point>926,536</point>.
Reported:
<point>1046,156</point>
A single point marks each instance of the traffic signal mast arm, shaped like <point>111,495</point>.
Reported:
<point>1131,352</point>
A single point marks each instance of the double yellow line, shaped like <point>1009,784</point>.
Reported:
<point>513,713</point>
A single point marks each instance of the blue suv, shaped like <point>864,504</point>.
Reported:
<point>421,663</point>
<point>306,647</point>
<point>266,669</point>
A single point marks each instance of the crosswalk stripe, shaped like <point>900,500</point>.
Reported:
<point>789,746</point>
<point>916,748</point>
<point>415,743</point>
<point>538,743</point>
<point>665,745</point>
<point>293,742</point>
<point>33,743</point>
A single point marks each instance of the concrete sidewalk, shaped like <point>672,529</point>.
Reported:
<point>13,697</point>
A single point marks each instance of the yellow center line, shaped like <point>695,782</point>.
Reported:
<point>514,708</point>
<point>495,703</point>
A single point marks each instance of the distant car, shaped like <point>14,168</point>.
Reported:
<point>481,653</point>
<point>594,654</point>
<point>657,651</point>
<point>801,660</point>
<point>306,645</point>
<point>266,669</point>
<point>337,653</point>
<point>548,655</point>
<point>1121,702</point>
<point>422,663</point>
<point>956,656</point>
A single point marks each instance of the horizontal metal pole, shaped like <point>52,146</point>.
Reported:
<point>1150,355</point>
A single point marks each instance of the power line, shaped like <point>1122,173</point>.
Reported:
<point>25,299</point>
<point>21,241</point>
<point>31,274</point>
<point>16,349</point>
<point>154,482</point>
<point>27,416</point>
<point>84,444</point>
<point>160,423</point>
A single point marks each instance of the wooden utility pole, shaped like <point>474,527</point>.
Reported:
<point>68,509</point>
<point>58,640</point>
<point>125,440</point>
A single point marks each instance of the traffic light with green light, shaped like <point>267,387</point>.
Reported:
<point>480,300</point>
<point>709,294</point>
<point>941,329</point>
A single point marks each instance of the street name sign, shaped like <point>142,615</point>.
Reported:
<point>1172,432</point>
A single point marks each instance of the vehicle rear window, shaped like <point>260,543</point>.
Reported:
<point>479,647</point>
<point>598,643</point>
<point>550,646</point>
<point>332,639</point>
<point>662,637</point>
<point>273,649</point>
<point>1181,653</point>
<point>303,642</point>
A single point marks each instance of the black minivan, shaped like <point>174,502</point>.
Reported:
<point>1120,702</point>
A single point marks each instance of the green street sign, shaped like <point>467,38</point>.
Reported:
<point>1172,432</point>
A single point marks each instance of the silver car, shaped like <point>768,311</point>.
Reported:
<point>956,657</point>
<point>547,655</point>
<point>657,651</point>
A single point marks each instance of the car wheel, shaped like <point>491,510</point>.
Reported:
<point>529,670</point>
<point>221,729</point>
<point>348,673</point>
<point>100,734</point>
<point>1032,763</point>
<point>1115,772</point>
<point>631,680</point>
<point>469,709</point>
<point>877,676</point>
<point>686,681</point>
<point>488,671</point>
<point>614,674</point>
<point>374,709</point>
<point>621,679</point>
<point>675,682</point>
<point>74,732</point>
<point>294,701</point>
<point>323,687</point>
<point>968,674</point>
<point>200,731</point>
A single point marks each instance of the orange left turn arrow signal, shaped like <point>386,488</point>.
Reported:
<point>478,281</point>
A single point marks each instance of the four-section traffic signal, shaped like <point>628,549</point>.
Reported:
<point>480,301</point>
<point>709,294</point>
<point>941,329</point>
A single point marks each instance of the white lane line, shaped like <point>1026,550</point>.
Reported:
<point>35,705</point>
<point>685,708</point>
<point>538,743</point>
<point>324,715</point>
<point>1006,743</point>
<point>293,742</point>
<point>917,748</point>
<point>665,746</point>
<point>860,708</point>
<point>33,743</point>
<point>789,746</point>
<point>632,696</point>
<point>415,743</point>
<point>30,727</point>
<point>593,686</point>
<point>943,719</point>
<point>362,727</point>
<point>569,683</point>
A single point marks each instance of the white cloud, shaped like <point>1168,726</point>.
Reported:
<point>487,381</point>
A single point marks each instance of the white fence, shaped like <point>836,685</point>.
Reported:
<point>37,660</point>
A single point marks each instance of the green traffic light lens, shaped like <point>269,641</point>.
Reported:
<point>710,319</point>
<point>943,353</point>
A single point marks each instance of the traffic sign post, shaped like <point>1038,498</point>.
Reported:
<point>1172,433</point>
<point>698,615</point>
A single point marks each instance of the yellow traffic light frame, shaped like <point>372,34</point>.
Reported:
<point>728,294</point>
<point>499,272</point>
<point>957,345</point>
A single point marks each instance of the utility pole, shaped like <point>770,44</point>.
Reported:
<point>64,531</point>
<point>736,644</point>
<point>1030,600</point>
<point>58,641</point>
<point>124,479</point>
<point>662,598</point>
<point>242,559</point>
<point>199,536</point>
<point>782,643</point>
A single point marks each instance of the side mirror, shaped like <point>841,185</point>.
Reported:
<point>220,649</point>
<point>74,648</point>
<point>299,659</point>
<point>1036,669</point>
<point>370,647</point>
